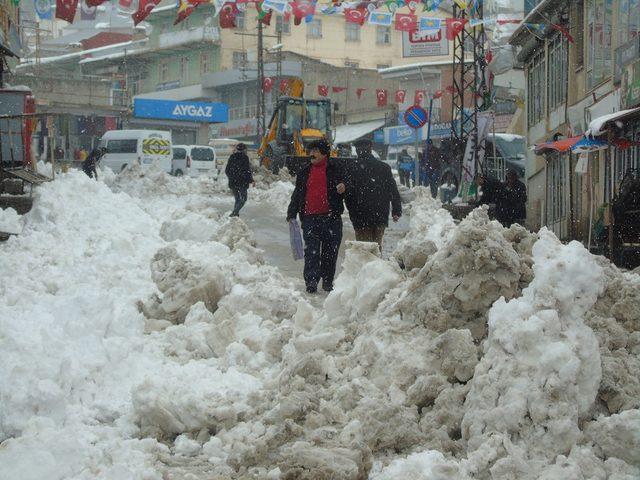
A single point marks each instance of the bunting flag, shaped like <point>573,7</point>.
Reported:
<point>275,5</point>
<point>381,18</point>
<point>43,9</point>
<point>186,8</point>
<point>455,26</point>
<point>87,11</point>
<point>356,15</point>
<point>267,84</point>
<point>359,92</point>
<point>406,22</point>
<point>419,96</point>
<point>564,30</point>
<point>381,95</point>
<point>228,14</point>
<point>94,3</point>
<point>437,94</point>
<point>144,9</point>
<point>450,89</point>
<point>323,90</point>
<point>538,28</point>
<point>264,16</point>
<point>427,24</point>
<point>400,96</point>
<point>337,89</point>
<point>461,4</point>
<point>66,9</point>
<point>126,3</point>
<point>302,9</point>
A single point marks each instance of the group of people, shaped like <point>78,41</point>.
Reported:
<point>430,170</point>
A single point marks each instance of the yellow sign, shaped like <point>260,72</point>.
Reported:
<point>156,146</point>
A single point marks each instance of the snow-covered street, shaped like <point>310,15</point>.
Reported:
<point>144,334</point>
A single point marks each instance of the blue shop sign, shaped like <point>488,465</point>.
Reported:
<point>401,135</point>
<point>178,110</point>
<point>378,136</point>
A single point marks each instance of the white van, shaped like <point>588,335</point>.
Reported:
<point>146,147</point>
<point>224,147</point>
<point>193,160</point>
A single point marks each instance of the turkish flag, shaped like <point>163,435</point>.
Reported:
<point>266,18</point>
<point>455,26</point>
<point>125,3</point>
<point>144,9</point>
<point>406,22</point>
<point>267,84</point>
<point>66,9</point>
<point>450,89</point>
<point>359,92</point>
<point>337,89</point>
<point>400,95</point>
<point>283,85</point>
<point>418,97</point>
<point>94,3</point>
<point>356,15</point>
<point>302,9</point>
<point>381,95</point>
<point>228,14</point>
<point>323,90</point>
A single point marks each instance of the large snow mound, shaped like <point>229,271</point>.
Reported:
<point>143,336</point>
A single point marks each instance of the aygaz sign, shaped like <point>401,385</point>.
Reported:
<point>200,112</point>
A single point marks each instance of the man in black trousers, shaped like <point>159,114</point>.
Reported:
<point>238,171</point>
<point>317,199</point>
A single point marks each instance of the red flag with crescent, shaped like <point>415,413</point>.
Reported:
<point>323,90</point>
<point>381,95</point>
<point>267,84</point>
<point>400,96</point>
<point>455,26</point>
<point>66,9</point>
<point>144,9</point>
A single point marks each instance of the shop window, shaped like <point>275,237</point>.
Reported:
<point>557,188</point>
<point>352,32</point>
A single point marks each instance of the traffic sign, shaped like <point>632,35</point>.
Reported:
<point>416,117</point>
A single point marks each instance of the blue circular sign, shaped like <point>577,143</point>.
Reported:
<point>416,117</point>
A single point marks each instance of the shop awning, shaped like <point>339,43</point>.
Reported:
<point>350,133</point>
<point>563,145</point>
<point>588,145</point>
<point>600,125</point>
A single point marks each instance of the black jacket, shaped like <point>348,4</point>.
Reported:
<point>335,175</point>
<point>370,189</point>
<point>238,170</point>
<point>514,204</point>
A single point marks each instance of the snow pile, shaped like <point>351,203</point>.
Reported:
<point>10,221</point>
<point>430,227</point>
<point>277,195</point>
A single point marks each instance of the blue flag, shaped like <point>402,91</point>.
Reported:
<point>381,18</point>
<point>43,9</point>
<point>429,24</point>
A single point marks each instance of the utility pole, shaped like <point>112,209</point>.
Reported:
<point>260,114</point>
<point>279,63</point>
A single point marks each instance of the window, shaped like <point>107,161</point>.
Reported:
<point>351,64</point>
<point>579,32</point>
<point>202,155</point>
<point>627,161</point>
<point>380,66</point>
<point>352,32</point>
<point>557,72</point>
<point>239,59</point>
<point>557,183</point>
<point>205,62</point>
<point>383,35</point>
<point>628,20</point>
<point>314,28</point>
<point>179,154</point>
<point>283,26</point>
<point>163,71</point>
<point>122,146</point>
<point>184,69</point>
<point>598,41</point>
<point>535,88</point>
<point>240,21</point>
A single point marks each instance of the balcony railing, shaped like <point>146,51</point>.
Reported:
<point>206,33</point>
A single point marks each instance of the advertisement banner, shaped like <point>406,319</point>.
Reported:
<point>179,110</point>
<point>428,43</point>
<point>485,120</point>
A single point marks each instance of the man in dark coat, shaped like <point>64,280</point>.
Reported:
<point>370,189</point>
<point>90,165</point>
<point>514,208</point>
<point>238,171</point>
<point>430,164</point>
<point>317,199</point>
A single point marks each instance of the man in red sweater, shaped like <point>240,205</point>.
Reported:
<point>317,199</point>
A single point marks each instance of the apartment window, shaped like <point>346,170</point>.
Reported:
<point>579,32</point>
<point>535,88</point>
<point>628,20</point>
<point>314,28</point>
<point>205,62</point>
<point>557,72</point>
<point>184,69</point>
<point>240,21</point>
<point>239,59</point>
<point>351,64</point>
<point>163,71</point>
<point>283,26</point>
<point>380,66</point>
<point>383,35</point>
<point>599,14</point>
<point>352,32</point>
<point>557,184</point>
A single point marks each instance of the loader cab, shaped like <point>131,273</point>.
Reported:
<point>311,118</point>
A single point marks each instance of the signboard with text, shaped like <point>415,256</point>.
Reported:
<point>203,112</point>
<point>430,43</point>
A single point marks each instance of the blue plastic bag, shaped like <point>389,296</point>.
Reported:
<point>295,236</point>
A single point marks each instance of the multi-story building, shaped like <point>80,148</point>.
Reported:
<point>573,69</point>
<point>10,45</point>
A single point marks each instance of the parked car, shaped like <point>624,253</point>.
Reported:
<point>193,160</point>
<point>145,147</point>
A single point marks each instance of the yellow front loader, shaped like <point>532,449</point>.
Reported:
<point>295,123</point>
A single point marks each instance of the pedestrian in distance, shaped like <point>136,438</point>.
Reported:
<point>90,164</point>
<point>318,200</point>
<point>430,163</point>
<point>509,197</point>
<point>238,172</point>
<point>370,191</point>
<point>405,167</point>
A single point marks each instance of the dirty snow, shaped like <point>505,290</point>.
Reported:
<point>10,221</point>
<point>144,337</point>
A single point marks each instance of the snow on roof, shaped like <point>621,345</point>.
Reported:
<point>415,66</point>
<point>349,133</point>
<point>598,126</point>
<point>165,8</point>
<point>508,137</point>
<point>115,55</point>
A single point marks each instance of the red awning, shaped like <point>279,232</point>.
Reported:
<point>563,145</point>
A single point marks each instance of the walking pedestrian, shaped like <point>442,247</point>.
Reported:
<point>514,209</point>
<point>432,164</point>
<point>318,200</point>
<point>370,190</point>
<point>405,167</point>
<point>90,164</point>
<point>238,171</point>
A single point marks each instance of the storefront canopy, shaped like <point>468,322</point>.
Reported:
<point>600,125</point>
<point>563,145</point>
<point>351,133</point>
